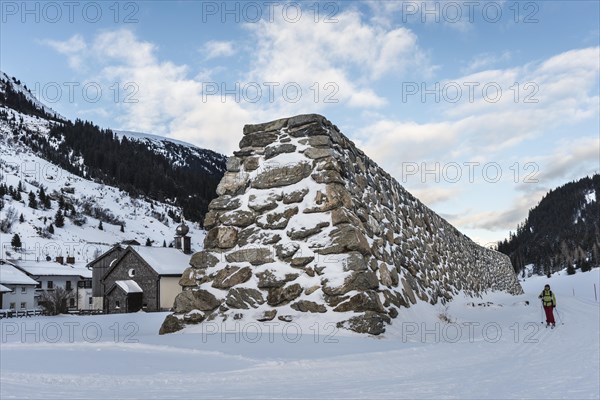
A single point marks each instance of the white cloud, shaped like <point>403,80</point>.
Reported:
<point>216,48</point>
<point>72,48</point>
<point>351,54</point>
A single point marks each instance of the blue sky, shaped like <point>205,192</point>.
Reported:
<point>477,108</point>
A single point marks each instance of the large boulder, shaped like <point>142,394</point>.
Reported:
<point>231,276</point>
<point>189,300</point>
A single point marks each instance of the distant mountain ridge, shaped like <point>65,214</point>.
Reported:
<point>562,231</point>
<point>147,165</point>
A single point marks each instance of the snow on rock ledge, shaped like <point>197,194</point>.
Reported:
<point>306,223</point>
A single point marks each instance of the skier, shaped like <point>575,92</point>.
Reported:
<point>549,302</point>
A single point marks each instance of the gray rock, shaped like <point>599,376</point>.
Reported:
<point>280,296</point>
<point>251,163</point>
<point>316,153</point>
<point>232,183</point>
<point>300,120</point>
<point>285,318</point>
<point>268,280</point>
<point>281,176</point>
<point>258,139</point>
<point>233,164</point>
<point>364,301</point>
<point>203,259</point>
<point>328,176</point>
<point>285,251</point>
<point>267,126</point>
<point>171,324</point>
<point>392,312</point>
<point>274,151</point>
<point>276,220</point>
<point>308,306</point>
<point>267,316</point>
<point>355,262</point>
<point>194,317</point>
<point>385,276</point>
<point>188,278</point>
<point>231,276</point>
<point>189,300</point>
<point>253,255</point>
<point>303,233</point>
<point>211,219</point>
<point>360,281</point>
<point>370,322</point>
<point>221,237</point>
<point>225,202</point>
<point>238,218</point>
<point>244,298</point>
<point>262,204</point>
<point>299,262</point>
<point>295,196</point>
<point>346,238</point>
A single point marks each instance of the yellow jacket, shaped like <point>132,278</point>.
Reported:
<point>548,298</point>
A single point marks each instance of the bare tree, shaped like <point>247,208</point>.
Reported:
<point>56,301</point>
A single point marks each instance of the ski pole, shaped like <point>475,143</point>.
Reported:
<point>543,312</point>
<point>559,318</point>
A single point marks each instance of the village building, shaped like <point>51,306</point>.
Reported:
<point>17,290</point>
<point>134,278</point>
<point>62,272</point>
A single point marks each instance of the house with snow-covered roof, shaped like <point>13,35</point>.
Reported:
<point>50,274</point>
<point>17,290</point>
<point>144,278</point>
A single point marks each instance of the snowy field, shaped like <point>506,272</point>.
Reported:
<point>496,351</point>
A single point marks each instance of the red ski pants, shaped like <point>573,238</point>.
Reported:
<point>549,315</point>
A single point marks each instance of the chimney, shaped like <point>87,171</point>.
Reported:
<point>70,260</point>
<point>187,245</point>
<point>60,259</point>
<point>178,242</point>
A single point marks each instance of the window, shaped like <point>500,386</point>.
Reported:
<point>90,301</point>
<point>12,306</point>
<point>68,285</point>
<point>23,289</point>
<point>23,305</point>
<point>50,285</point>
<point>39,285</point>
<point>131,273</point>
<point>71,302</point>
<point>117,304</point>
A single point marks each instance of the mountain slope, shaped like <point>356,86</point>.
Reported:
<point>174,172</point>
<point>561,231</point>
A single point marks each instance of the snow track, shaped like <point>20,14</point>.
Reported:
<point>525,361</point>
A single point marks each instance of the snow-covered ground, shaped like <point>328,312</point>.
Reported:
<point>498,349</point>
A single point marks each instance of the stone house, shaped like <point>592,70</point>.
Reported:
<point>99,266</point>
<point>144,278</point>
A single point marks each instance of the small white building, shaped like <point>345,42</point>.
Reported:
<point>17,290</point>
<point>72,276</point>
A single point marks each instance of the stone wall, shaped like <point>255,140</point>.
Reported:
<point>306,222</point>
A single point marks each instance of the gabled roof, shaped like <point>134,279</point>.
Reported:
<point>11,275</point>
<point>165,261</point>
<point>129,286</point>
<point>51,268</point>
<point>106,253</point>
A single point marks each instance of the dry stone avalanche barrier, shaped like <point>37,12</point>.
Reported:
<point>305,222</point>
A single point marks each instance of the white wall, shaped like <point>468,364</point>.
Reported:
<point>18,297</point>
<point>169,288</point>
